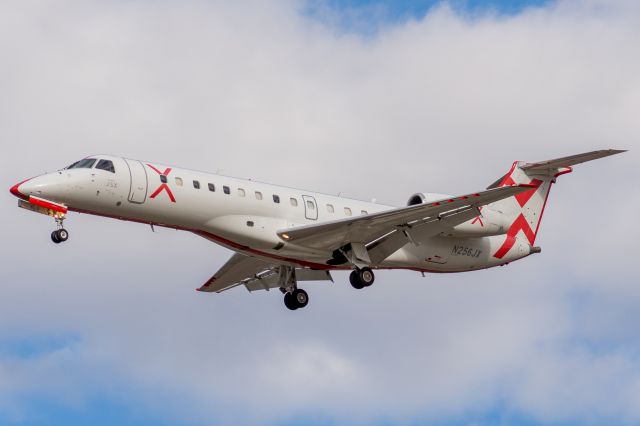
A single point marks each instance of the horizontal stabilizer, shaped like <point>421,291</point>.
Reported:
<point>571,160</point>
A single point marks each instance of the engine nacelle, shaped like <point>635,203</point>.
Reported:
<point>426,197</point>
<point>490,222</point>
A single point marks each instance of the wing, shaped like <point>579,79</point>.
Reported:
<point>256,274</point>
<point>368,228</point>
<point>233,273</point>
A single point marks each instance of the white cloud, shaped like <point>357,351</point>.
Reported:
<point>441,104</point>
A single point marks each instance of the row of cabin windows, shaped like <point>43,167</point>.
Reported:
<point>258,195</point>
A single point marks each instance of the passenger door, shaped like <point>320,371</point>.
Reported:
<point>139,182</point>
<point>310,207</point>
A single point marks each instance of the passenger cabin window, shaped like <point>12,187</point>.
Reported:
<point>212,187</point>
<point>163,179</point>
<point>241,192</point>
<point>258,195</point>
<point>106,165</point>
<point>364,212</point>
<point>330,208</point>
<point>196,184</point>
<point>87,163</point>
<point>294,202</point>
<point>310,205</point>
<point>276,198</point>
<point>347,211</point>
<point>226,190</point>
<point>178,181</point>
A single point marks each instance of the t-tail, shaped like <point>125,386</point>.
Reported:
<point>524,211</point>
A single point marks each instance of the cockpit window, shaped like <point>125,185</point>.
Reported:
<point>87,163</point>
<point>106,165</point>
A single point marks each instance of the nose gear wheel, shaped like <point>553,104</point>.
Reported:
<point>60,235</point>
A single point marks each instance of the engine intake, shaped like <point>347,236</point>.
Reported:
<point>426,197</point>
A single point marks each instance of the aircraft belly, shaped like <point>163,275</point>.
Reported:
<point>447,254</point>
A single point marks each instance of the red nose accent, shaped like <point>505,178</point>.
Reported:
<point>15,191</point>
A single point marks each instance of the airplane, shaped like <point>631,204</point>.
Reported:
<point>282,236</point>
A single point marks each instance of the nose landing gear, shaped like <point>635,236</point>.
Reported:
<point>59,235</point>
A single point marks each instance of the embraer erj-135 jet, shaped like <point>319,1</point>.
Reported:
<point>283,236</point>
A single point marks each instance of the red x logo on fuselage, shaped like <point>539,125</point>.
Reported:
<point>478,218</point>
<point>164,186</point>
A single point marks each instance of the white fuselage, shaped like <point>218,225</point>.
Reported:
<point>244,215</point>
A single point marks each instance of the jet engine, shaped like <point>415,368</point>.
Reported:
<point>426,197</point>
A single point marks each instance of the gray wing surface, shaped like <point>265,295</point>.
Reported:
<point>368,228</point>
<point>256,274</point>
<point>238,270</point>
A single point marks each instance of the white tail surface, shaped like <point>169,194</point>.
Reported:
<point>525,210</point>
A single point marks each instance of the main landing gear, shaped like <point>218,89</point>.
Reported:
<point>295,299</point>
<point>361,278</point>
<point>60,235</point>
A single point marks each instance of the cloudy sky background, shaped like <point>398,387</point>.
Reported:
<point>368,99</point>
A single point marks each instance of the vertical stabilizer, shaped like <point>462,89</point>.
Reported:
<point>525,210</point>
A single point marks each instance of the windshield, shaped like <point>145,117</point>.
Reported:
<point>106,165</point>
<point>87,163</point>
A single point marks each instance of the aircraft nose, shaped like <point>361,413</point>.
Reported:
<point>15,190</point>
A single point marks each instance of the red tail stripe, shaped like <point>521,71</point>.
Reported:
<point>523,197</point>
<point>520,224</point>
<point>507,181</point>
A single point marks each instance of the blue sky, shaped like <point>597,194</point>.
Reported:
<point>368,17</point>
<point>108,330</point>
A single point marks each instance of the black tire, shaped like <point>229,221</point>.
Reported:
<point>63,234</point>
<point>354,279</point>
<point>290,301</point>
<point>301,298</point>
<point>55,238</point>
<point>366,276</point>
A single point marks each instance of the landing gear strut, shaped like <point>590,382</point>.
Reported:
<point>59,235</point>
<point>361,278</point>
<point>295,299</point>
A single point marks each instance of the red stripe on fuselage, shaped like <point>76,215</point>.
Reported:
<point>245,249</point>
<point>48,205</point>
<point>15,190</point>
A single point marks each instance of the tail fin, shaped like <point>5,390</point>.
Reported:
<point>525,210</point>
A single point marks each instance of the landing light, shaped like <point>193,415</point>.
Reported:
<point>285,236</point>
